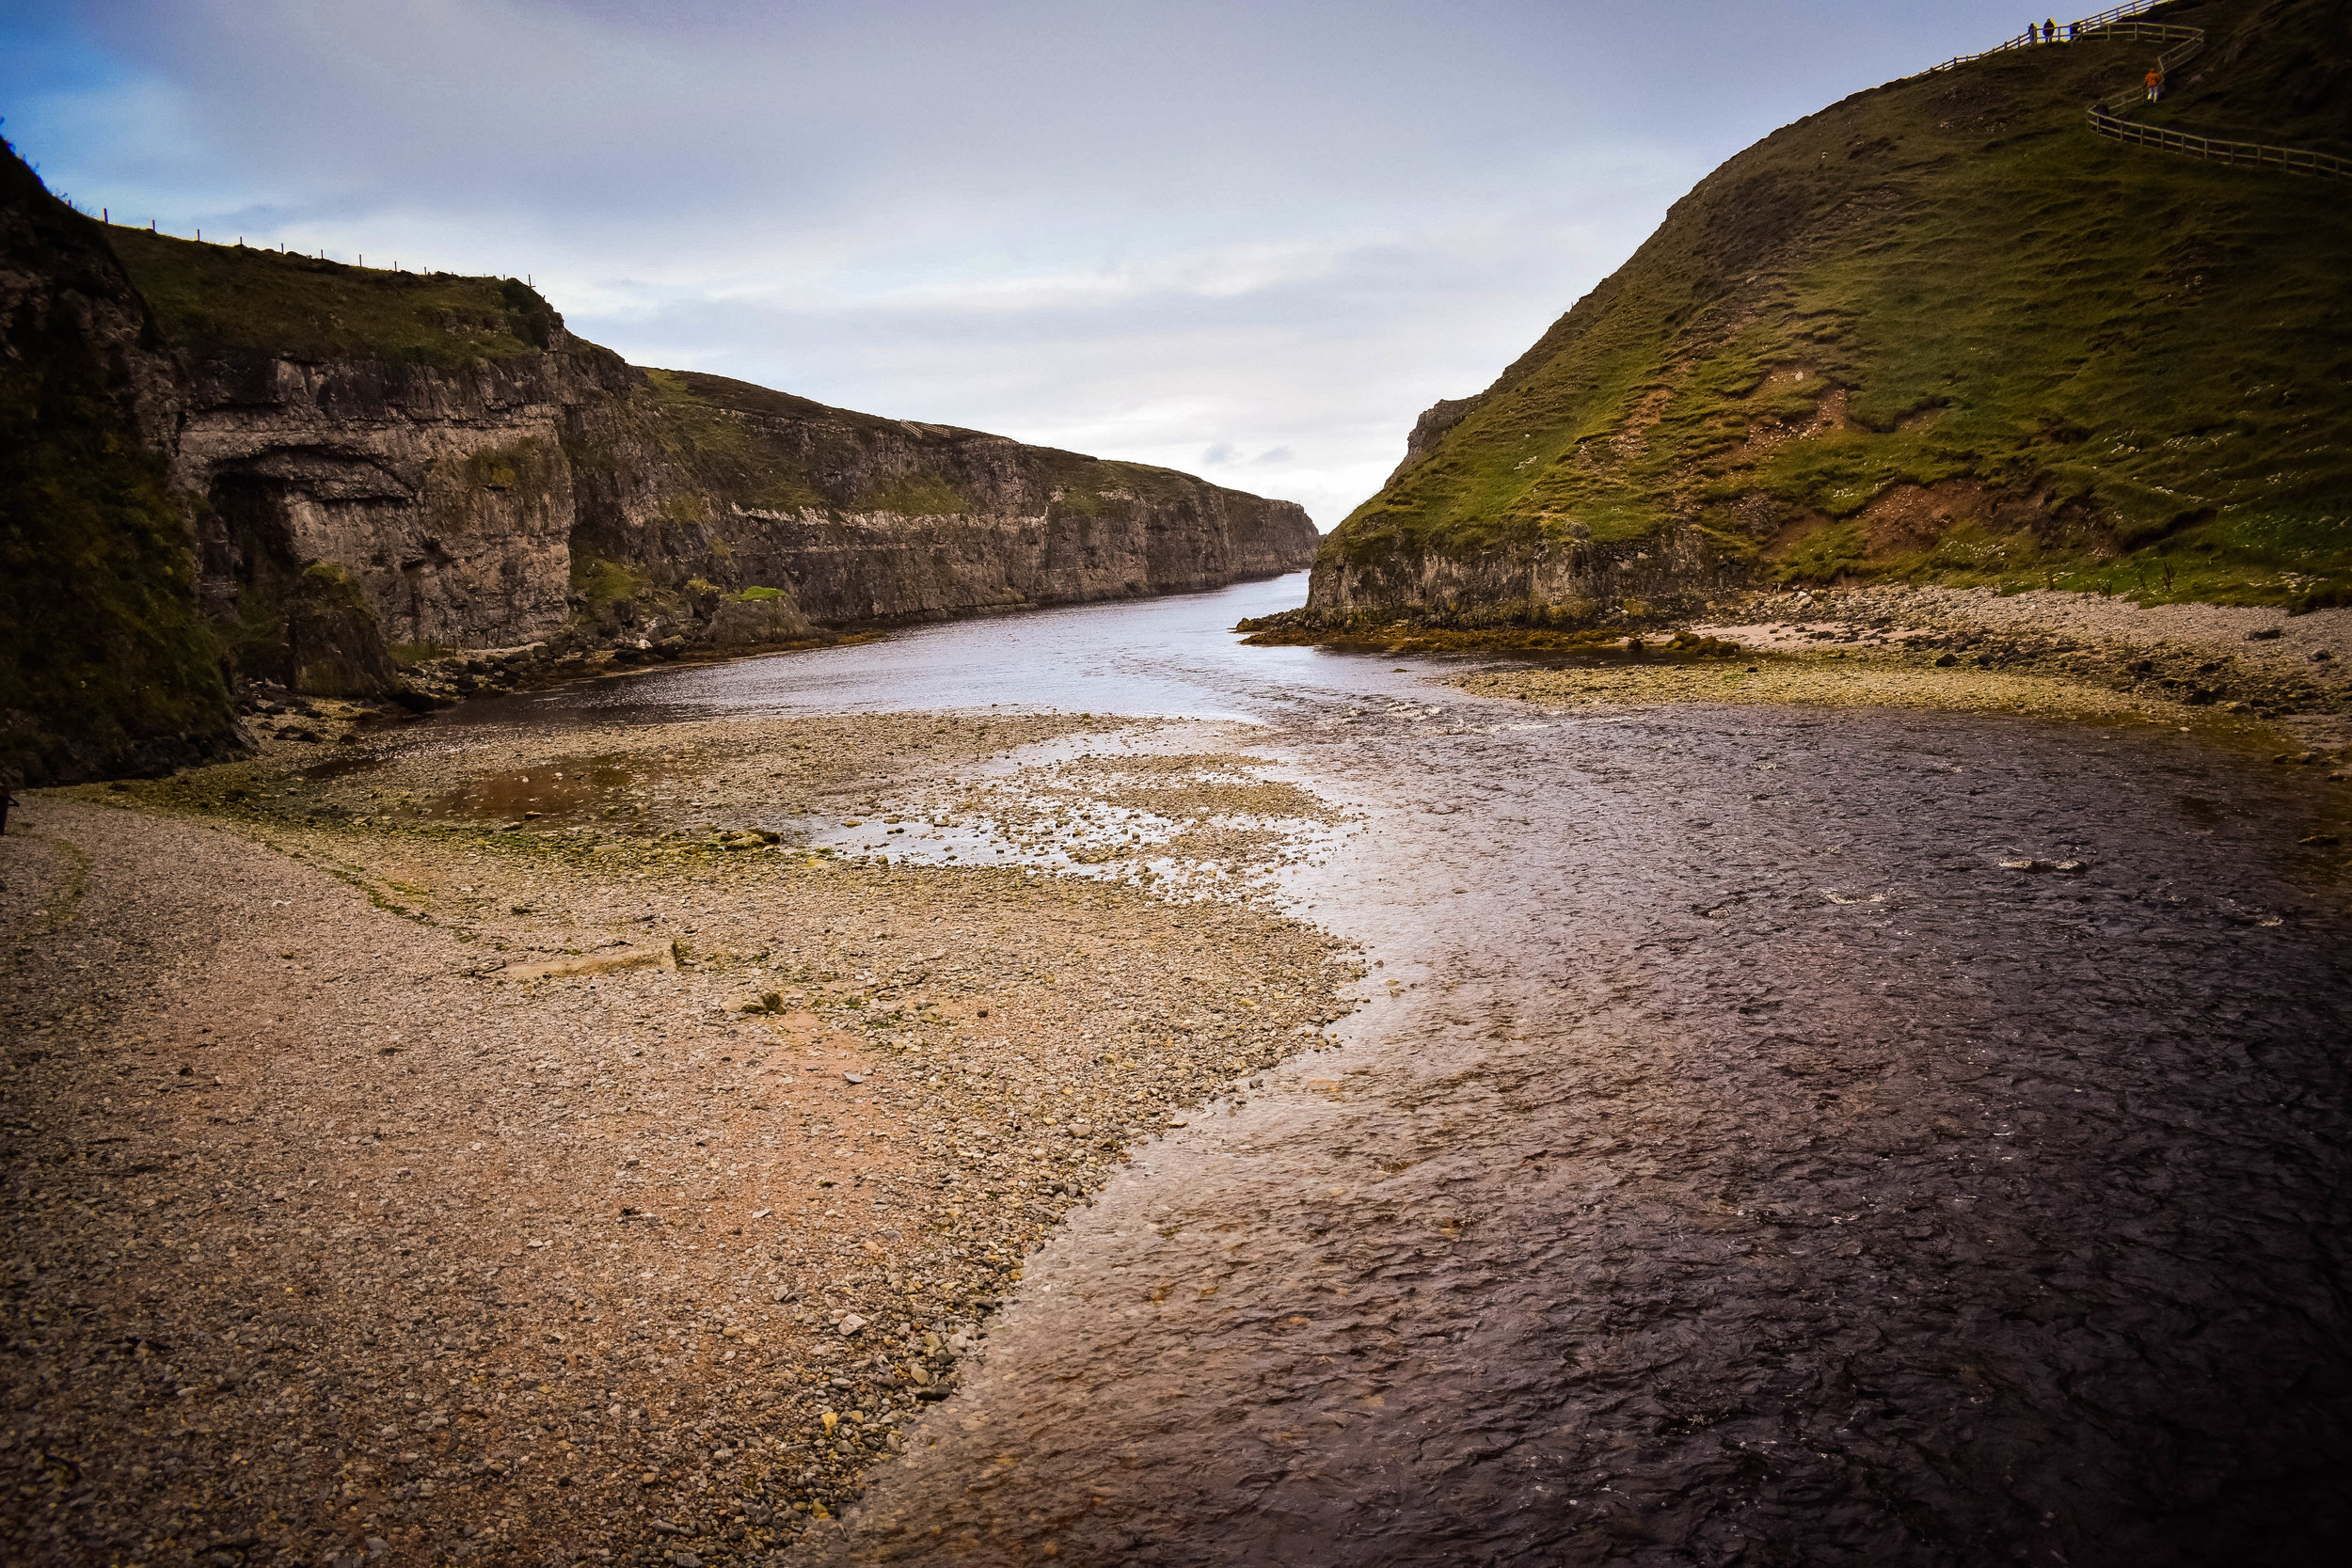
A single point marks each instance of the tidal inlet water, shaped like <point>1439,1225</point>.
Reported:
<point>1729,1160</point>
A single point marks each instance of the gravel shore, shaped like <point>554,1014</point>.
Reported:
<point>397,1177</point>
<point>2293,671</point>
<point>2256,679</point>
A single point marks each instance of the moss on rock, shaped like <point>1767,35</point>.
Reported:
<point>106,665</point>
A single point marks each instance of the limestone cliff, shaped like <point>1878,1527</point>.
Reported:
<point>222,463</point>
<point>513,483</point>
<point>854,519</point>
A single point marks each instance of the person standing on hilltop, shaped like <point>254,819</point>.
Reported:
<point>2049,31</point>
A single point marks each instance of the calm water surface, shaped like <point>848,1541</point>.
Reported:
<point>1174,657</point>
<point>1732,1161</point>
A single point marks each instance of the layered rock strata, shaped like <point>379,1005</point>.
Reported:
<point>222,461</point>
<point>500,504</point>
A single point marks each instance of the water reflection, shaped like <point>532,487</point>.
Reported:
<point>1175,656</point>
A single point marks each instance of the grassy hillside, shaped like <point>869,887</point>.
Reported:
<point>1940,330</point>
<point>106,665</point>
<point>760,447</point>
<point>215,298</point>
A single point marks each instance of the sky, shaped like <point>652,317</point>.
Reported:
<point>1250,240</point>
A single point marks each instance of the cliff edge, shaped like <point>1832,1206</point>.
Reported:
<point>226,464</point>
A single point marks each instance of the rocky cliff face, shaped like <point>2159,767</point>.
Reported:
<point>1570,581</point>
<point>218,462</point>
<point>853,519</point>
<point>543,486</point>
<point>445,495</point>
<point>106,665</point>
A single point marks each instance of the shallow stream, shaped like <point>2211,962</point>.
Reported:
<point>1732,1160</point>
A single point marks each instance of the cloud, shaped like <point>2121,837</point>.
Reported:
<point>1150,230</point>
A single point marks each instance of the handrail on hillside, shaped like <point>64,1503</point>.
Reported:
<point>2107,118</point>
<point>2032,38</point>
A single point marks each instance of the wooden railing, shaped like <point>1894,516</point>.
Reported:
<point>2185,41</point>
<point>2032,38</point>
<point>2243,154</point>
<point>2107,117</point>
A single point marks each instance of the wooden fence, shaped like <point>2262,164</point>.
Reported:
<point>2246,154</point>
<point>2032,38</point>
<point>2107,117</point>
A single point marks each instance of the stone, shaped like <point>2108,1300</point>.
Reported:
<point>361,467</point>
<point>335,647</point>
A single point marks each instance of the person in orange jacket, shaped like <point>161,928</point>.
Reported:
<point>2155,83</point>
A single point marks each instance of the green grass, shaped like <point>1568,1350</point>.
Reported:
<point>2110,360</point>
<point>919,496</point>
<point>767,450</point>
<point>710,426</point>
<point>408,654</point>
<point>228,299</point>
<point>603,581</point>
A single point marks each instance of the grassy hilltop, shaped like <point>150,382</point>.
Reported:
<point>1942,331</point>
<point>744,443</point>
<point>216,299</point>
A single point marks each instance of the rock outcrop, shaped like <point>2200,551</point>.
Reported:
<point>446,495</point>
<point>856,519</point>
<point>219,463</point>
<point>1570,581</point>
<point>544,484</point>
<point>106,665</point>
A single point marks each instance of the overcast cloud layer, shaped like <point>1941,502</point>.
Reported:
<point>1251,241</point>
